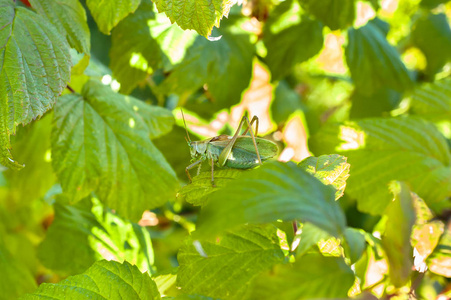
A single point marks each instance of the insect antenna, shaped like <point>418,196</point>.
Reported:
<point>187,138</point>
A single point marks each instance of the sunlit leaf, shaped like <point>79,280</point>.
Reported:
<point>104,280</point>
<point>34,69</point>
<point>90,233</point>
<point>373,62</point>
<point>108,14</point>
<point>396,238</point>
<point>439,261</point>
<point>310,236</point>
<point>100,142</point>
<point>311,276</point>
<point>381,150</point>
<point>228,265</point>
<point>69,17</point>
<point>272,192</point>
<point>330,169</point>
<point>200,15</point>
<point>336,14</point>
<point>433,100</point>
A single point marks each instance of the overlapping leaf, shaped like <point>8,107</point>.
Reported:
<point>100,143</point>
<point>200,15</point>
<point>104,280</point>
<point>396,239</point>
<point>373,62</point>
<point>336,14</point>
<point>69,17</point>
<point>229,264</point>
<point>311,276</point>
<point>34,69</point>
<point>290,38</point>
<point>272,192</point>
<point>155,43</point>
<point>330,169</point>
<point>212,63</point>
<point>439,261</point>
<point>107,14</point>
<point>381,150</point>
<point>433,100</point>
<point>90,233</point>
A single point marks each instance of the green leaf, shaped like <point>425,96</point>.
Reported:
<point>373,62</point>
<point>285,102</point>
<point>69,17</point>
<point>396,239</point>
<point>212,63</point>
<point>329,169</point>
<point>439,261</point>
<point>104,280</point>
<point>90,233</point>
<point>155,43</point>
<point>432,3</point>
<point>336,14</point>
<point>432,35</point>
<point>108,14</point>
<point>37,178</point>
<point>166,281</point>
<point>311,276</point>
<point>34,69</point>
<point>310,236</point>
<point>16,279</point>
<point>227,265</point>
<point>196,192</point>
<point>100,142</point>
<point>354,243</point>
<point>433,100</point>
<point>200,15</point>
<point>377,104</point>
<point>290,45</point>
<point>272,192</point>
<point>382,150</point>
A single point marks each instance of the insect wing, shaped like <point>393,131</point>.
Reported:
<point>267,149</point>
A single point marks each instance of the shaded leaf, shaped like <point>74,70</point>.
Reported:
<point>433,100</point>
<point>16,278</point>
<point>310,236</point>
<point>381,150</point>
<point>155,43</point>
<point>311,276</point>
<point>34,69</point>
<point>200,15</point>
<point>104,280</point>
<point>377,104</point>
<point>90,233</point>
<point>290,45</point>
<point>212,63</point>
<point>231,262</point>
<point>354,243</point>
<point>336,14</point>
<point>329,169</point>
<point>396,238</point>
<point>285,102</point>
<point>196,192</point>
<point>432,35</point>
<point>373,62</point>
<point>108,14</point>
<point>100,142</point>
<point>69,17</point>
<point>272,192</point>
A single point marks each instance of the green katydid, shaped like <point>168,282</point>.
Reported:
<point>239,151</point>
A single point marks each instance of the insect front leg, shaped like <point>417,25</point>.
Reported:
<point>190,167</point>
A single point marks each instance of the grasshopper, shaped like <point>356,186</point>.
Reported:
<point>239,151</point>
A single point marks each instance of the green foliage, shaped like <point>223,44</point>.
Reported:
<point>105,279</point>
<point>35,69</point>
<point>355,94</point>
<point>112,146</point>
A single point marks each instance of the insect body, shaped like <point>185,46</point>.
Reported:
<point>238,152</point>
